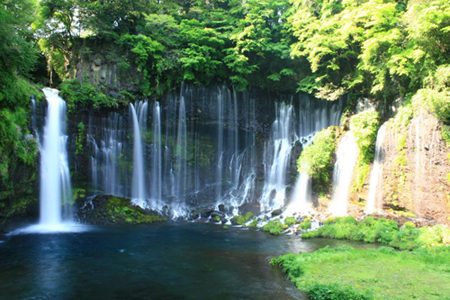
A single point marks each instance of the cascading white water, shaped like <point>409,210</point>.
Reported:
<point>376,176</point>
<point>56,191</point>
<point>301,197</point>
<point>276,158</point>
<point>210,154</point>
<point>156,180</point>
<point>181,161</point>
<point>343,173</point>
<point>220,151</point>
<point>105,143</point>
<point>139,117</point>
<point>33,116</point>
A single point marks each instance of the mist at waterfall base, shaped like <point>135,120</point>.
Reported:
<point>203,148</point>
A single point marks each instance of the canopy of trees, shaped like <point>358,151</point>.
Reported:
<point>376,48</point>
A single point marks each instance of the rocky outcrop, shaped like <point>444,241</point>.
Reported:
<point>106,68</point>
<point>106,209</point>
<point>415,170</point>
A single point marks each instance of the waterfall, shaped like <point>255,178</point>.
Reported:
<point>276,157</point>
<point>220,151</point>
<point>301,197</point>
<point>139,117</point>
<point>156,179</point>
<point>205,147</point>
<point>376,176</point>
<point>56,191</point>
<point>181,161</point>
<point>342,175</point>
<point>33,116</point>
<point>107,159</point>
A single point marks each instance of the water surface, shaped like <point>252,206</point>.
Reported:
<point>169,261</point>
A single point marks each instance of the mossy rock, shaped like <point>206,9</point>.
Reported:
<point>116,210</point>
<point>274,227</point>
<point>241,220</point>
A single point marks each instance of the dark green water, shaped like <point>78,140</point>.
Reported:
<point>170,261</point>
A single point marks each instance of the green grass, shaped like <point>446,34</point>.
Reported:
<point>370,274</point>
<point>374,230</point>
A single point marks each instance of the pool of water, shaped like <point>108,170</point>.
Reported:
<point>168,261</point>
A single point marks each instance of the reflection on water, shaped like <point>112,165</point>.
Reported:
<point>188,261</point>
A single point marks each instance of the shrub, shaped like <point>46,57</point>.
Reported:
<point>364,127</point>
<point>274,227</point>
<point>253,224</point>
<point>290,221</point>
<point>406,238</point>
<point>241,220</point>
<point>320,291</point>
<point>370,230</point>
<point>305,225</point>
<point>83,96</point>
<point>316,159</point>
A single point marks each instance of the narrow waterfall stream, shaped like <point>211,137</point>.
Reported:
<point>156,150</point>
<point>181,167</point>
<point>139,117</point>
<point>342,175</point>
<point>301,197</point>
<point>376,176</point>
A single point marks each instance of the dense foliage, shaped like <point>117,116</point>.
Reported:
<point>364,127</point>
<point>378,49</point>
<point>383,231</point>
<point>316,159</point>
<point>18,56</point>
<point>348,273</point>
<point>83,96</point>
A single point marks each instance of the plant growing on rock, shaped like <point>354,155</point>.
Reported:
<point>274,227</point>
<point>364,127</point>
<point>241,220</point>
<point>316,159</point>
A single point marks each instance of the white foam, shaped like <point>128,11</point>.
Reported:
<point>52,228</point>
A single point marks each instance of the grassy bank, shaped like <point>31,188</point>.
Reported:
<point>375,230</point>
<point>348,273</point>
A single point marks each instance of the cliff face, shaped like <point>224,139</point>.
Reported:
<point>105,67</point>
<point>415,170</point>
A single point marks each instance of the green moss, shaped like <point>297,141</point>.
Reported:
<point>290,221</point>
<point>305,225</point>
<point>347,273</point>
<point>253,224</point>
<point>80,139</point>
<point>241,220</point>
<point>121,210</point>
<point>216,219</point>
<point>83,96</point>
<point>274,227</point>
<point>364,127</point>
<point>316,160</point>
